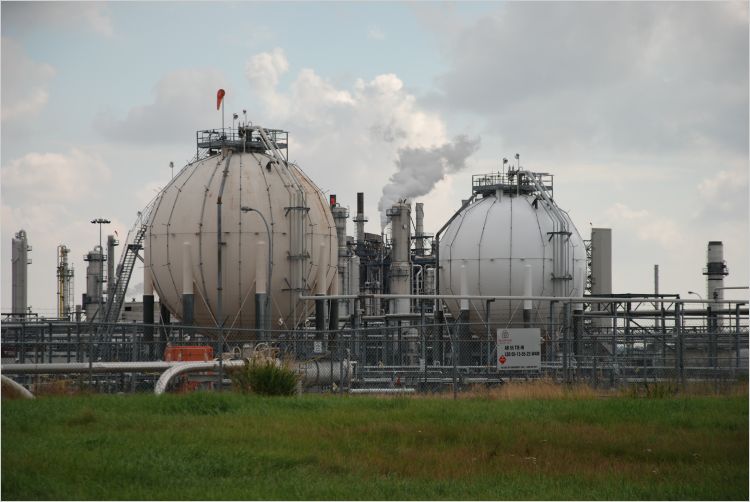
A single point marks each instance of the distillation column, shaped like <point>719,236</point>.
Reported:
<point>92,299</point>
<point>340,215</point>
<point>65,275</point>
<point>400,277</point>
<point>111,279</point>
<point>20,261</point>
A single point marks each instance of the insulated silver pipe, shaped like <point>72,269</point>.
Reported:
<point>585,299</point>
<point>311,372</point>
<point>94,367</point>
<point>20,389</point>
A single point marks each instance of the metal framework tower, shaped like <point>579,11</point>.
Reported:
<point>65,283</point>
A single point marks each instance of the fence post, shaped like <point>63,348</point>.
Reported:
<point>67,344</point>
<point>22,343</point>
<point>613,358</point>
<point>551,353</point>
<point>91,361</point>
<point>355,327</point>
<point>566,351</point>
<point>679,343</point>
<point>454,336</point>
<point>341,361</point>
<point>736,340</point>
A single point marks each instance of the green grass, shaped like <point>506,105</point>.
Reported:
<point>231,446</point>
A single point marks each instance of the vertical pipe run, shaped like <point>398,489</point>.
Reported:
<point>219,274</point>
<point>320,304</point>
<point>462,330</point>
<point>188,298</point>
<point>527,291</point>
<point>148,313</point>
<point>261,292</point>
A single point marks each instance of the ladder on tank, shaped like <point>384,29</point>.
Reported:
<point>125,271</point>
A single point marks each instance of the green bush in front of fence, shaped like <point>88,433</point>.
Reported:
<point>265,377</point>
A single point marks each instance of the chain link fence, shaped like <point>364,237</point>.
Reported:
<point>606,346</point>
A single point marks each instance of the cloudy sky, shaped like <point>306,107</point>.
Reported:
<point>640,110</point>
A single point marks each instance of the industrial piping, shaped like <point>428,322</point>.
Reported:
<point>22,391</point>
<point>311,372</point>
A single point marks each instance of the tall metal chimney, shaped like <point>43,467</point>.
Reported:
<point>419,241</point>
<point>360,218</point>
<point>715,271</point>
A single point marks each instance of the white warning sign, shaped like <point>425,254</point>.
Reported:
<point>519,349</point>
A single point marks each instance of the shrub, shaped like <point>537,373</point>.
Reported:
<point>265,377</point>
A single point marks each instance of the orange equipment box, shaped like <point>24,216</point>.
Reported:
<point>189,353</point>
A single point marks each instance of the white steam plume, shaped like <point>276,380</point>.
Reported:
<point>419,169</point>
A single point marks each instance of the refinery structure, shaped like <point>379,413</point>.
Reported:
<point>243,254</point>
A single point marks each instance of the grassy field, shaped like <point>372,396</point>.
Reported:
<point>229,446</point>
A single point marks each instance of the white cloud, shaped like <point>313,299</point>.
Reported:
<point>725,194</point>
<point>55,177</point>
<point>182,99</point>
<point>93,16</point>
<point>645,226</point>
<point>359,130</point>
<point>606,77</point>
<point>375,33</point>
<point>25,82</point>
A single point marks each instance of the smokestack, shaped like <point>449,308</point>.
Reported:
<point>715,271</point>
<point>419,242</point>
<point>360,219</point>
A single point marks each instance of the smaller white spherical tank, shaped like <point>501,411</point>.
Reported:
<point>303,232</point>
<point>495,238</point>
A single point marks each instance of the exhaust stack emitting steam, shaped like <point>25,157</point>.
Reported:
<point>419,170</point>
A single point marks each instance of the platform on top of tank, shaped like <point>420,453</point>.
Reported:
<point>510,182</point>
<point>241,139</point>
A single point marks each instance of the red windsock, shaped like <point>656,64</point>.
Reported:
<point>219,97</point>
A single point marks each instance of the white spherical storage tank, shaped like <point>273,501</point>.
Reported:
<point>495,237</point>
<point>183,226</point>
